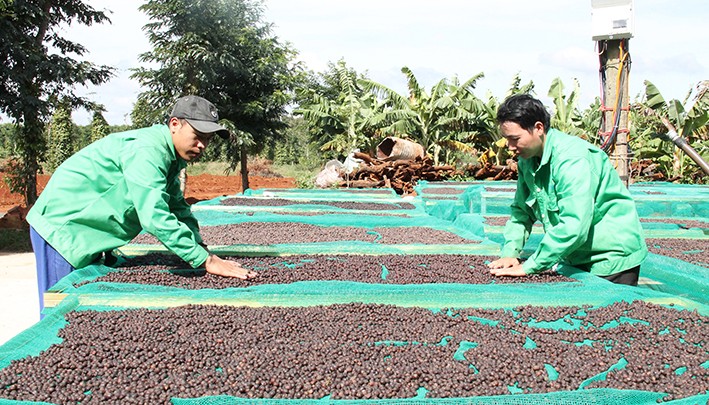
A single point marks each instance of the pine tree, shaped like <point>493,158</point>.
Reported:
<point>60,136</point>
<point>99,126</point>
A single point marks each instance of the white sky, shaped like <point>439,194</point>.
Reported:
<point>541,40</point>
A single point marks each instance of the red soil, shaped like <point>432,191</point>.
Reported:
<point>199,187</point>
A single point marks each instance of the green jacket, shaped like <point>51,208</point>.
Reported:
<point>589,217</point>
<point>104,195</point>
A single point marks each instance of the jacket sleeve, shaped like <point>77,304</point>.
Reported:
<point>574,187</point>
<point>181,209</point>
<point>519,226</point>
<point>145,171</point>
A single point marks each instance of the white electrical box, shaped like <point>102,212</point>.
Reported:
<point>611,19</point>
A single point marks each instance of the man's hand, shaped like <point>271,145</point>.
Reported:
<point>226,268</point>
<point>504,262</point>
<point>506,266</point>
<point>514,271</point>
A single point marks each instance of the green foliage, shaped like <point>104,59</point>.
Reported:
<point>691,120</point>
<point>99,127</point>
<point>145,115</point>
<point>305,182</point>
<point>223,51</point>
<point>483,122</point>
<point>296,147</point>
<point>15,241</point>
<point>39,68</point>
<point>589,122</point>
<point>339,112</point>
<point>216,168</point>
<point>7,136</point>
<point>59,135</point>
<point>440,120</point>
<point>566,116</point>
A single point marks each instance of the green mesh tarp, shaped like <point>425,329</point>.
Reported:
<point>45,333</point>
<point>689,293</point>
<point>362,220</point>
<point>589,290</point>
<point>315,198</point>
<point>324,194</point>
<point>652,228</point>
<point>651,199</point>
<point>368,224</point>
<point>597,396</point>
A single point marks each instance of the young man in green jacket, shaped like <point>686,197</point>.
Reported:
<point>570,186</point>
<point>104,195</point>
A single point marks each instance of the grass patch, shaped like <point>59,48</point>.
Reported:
<point>295,171</point>
<point>15,241</point>
<point>215,168</point>
<point>303,175</point>
<point>257,167</point>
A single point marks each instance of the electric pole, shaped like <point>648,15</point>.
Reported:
<point>612,26</point>
<point>616,103</point>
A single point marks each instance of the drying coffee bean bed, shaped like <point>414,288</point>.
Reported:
<point>169,270</point>
<point>314,214</point>
<point>440,197</point>
<point>272,233</point>
<point>683,223</point>
<point>461,183</point>
<point>502,221</point>
<point>694,251</point>
<point>442,190</point>
<point>359,351</point>
<point>497,221</point>
<point>501,189</point>
<point>348,205</point>
<point>382,191</point>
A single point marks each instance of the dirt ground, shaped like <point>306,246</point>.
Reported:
<point>199,187</point>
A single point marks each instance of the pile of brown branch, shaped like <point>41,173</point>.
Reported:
<point>647,170</point>
<point>490,171</point>
<point>400,175</point>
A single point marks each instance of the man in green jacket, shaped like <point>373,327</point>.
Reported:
<point>104,195</point>
<point>570,186</point>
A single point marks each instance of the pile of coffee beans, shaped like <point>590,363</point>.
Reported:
<point>682,223</point>
<point>320,212</point>
<point>502,221</point>
<point>381,191</point>
<point>501,189</point>
<point>169,270</point>
<point>439,197</point>
<point>360,351</point>
<point>348,205</point>
<point>442,190</point>
<point>695,251</point>
<point>272,233</point>
<point>459,183</point>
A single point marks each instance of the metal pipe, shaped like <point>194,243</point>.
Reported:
<point>682,144</point>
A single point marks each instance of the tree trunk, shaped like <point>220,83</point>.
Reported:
<point>31,190</point>
<point>30,147</point>
<point>244,170</point>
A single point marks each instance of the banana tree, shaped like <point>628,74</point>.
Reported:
<point>486,135</point>
<point>342,122</point>
<point>566,116</point>
<point>437,120</point>
<point>690,118</point>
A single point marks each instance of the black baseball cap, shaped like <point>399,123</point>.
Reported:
<point>200,113</point>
